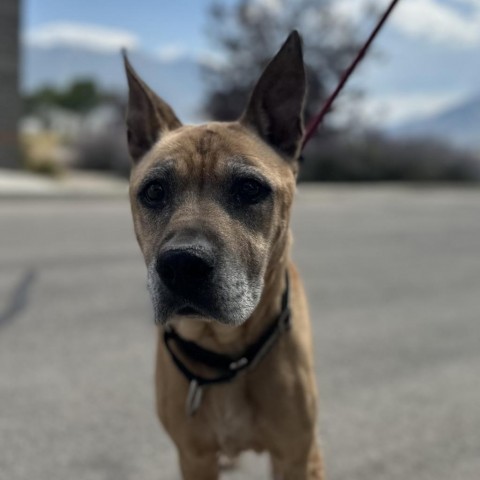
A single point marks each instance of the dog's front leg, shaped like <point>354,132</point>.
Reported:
<point>199,466</point>
<point>309,467</point>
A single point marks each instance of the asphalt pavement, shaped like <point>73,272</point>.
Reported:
<point>393,276</point>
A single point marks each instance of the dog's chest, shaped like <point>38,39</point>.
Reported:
<point>231,418</point>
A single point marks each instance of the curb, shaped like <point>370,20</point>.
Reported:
<point>23,185</point>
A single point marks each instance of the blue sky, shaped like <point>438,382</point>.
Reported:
<point>428,54</point>
<point>156,23</point>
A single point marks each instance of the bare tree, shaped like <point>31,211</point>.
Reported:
<point>251,31</point>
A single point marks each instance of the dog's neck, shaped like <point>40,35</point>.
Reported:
<point>228,339</point>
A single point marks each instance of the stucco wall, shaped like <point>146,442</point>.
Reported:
<point>9,95</point>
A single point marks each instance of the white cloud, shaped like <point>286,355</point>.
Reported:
<point>434,21</point>
<point>430,20</point>
<point>256,7</point>
<point>396,108</point>
<point>171,52</point>
<point>92,37</point>
<point>354,9</point>
<point>211,60</point>
<point>272,5</point>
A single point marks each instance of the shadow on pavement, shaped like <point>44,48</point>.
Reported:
<point>18,298</point>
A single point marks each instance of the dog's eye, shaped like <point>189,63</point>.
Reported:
<point>250,191</point>
<point>154,194</point>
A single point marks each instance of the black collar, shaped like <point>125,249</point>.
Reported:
<point>228,366</point>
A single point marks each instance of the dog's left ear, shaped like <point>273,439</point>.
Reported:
<point>275,109</point>
<point>148,116</point>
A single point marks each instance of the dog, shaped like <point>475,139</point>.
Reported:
<point>211,210</point>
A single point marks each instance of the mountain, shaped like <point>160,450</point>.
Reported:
<point>459,125</point>
<point>177,81</point>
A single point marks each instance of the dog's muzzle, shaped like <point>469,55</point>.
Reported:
<point>192,275</point>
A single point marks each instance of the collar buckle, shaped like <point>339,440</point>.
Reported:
<point>239,364</point>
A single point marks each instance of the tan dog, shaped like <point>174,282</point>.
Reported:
<point>211,208</point>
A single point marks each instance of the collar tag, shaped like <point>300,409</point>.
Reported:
<point>194,398</point>
<point>229,367</point>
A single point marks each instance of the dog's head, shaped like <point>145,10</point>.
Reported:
<point>211,203</point>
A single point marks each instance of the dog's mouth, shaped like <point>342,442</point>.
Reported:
<point>228,301</point>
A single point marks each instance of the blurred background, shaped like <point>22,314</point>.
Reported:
<point>387,227</point>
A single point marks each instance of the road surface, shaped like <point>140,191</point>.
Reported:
<point>393,277</point>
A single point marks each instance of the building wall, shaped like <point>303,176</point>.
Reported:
<point>9,82</point>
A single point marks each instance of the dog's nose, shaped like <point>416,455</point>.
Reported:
<point>184,269</point>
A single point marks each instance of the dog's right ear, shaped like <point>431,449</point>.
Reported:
<point>148,116</point>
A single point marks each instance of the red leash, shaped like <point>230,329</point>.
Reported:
<point>315,122</point>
